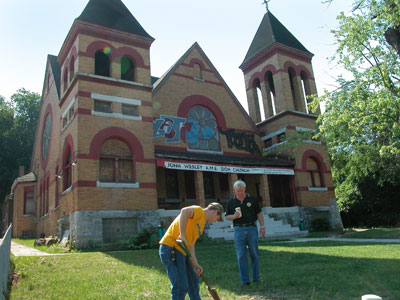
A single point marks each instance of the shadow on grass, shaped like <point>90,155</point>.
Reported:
<point>311,270</point>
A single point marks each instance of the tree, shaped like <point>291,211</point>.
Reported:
<point>18,119</point>
<point>361,120</point>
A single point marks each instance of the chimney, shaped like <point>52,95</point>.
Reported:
<point>21,171</point>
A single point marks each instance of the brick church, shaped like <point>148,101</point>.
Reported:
<point>117,149</point>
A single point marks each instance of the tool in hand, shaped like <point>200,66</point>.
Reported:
<point>212,291</point>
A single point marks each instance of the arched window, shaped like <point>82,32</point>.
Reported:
<point>257,103</point>
<point>71,69</point>
<point>305,88</point>
<point>65,79</point>
<point>270,91</point>
<point>116,162</point>
<point>198,72</point>
<point>67,168</point>
<point>101,64</point>
<point>203,133</point>
<point>127,69</point>
<point>316,178</point>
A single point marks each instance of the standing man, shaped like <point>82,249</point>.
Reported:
<point>244,211</point>
<point>187,226</point>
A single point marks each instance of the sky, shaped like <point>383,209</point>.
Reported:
<point>30,30</point>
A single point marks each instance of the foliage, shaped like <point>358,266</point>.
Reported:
<point>145,239</point>
<point>361,120</point>
<point>320,224</point>
<point>18,119</point>
<point>373,205</point>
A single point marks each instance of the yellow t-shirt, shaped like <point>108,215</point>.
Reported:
<point>194,228</point>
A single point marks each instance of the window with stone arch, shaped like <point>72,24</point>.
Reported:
<point>314,170</point>
<point>203,131</point>
<point>116,162</point>
<point>128,70</point>
<point>71,68</point>
<point>102,62</point>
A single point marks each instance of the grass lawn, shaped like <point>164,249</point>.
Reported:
<point>309,271</point>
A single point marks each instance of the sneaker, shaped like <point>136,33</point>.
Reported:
<point>244,284</point>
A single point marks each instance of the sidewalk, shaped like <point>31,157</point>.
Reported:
<point>21,250</point>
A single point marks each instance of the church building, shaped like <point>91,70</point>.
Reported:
<point>118,150</point>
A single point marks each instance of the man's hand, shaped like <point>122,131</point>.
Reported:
<point>182,238</point>
<point>262,231</point>
<point>236,215</point>
<point>198,269</point>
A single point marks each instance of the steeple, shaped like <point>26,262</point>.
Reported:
<point>269,32</point>
<point>112,14</point>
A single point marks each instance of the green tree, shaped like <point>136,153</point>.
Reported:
<point>361,121</point>
<point>18,119</point>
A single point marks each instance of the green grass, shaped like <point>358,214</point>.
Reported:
<point>310,271</point>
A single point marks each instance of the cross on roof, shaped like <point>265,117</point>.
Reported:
<point>266,4</point>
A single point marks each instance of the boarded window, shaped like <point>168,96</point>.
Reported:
<point>313,168</point>
<point>116,162</point>
<point>102,106</point>
<point>29,207</point>
<point>117,229</point>
<point>129,110</point>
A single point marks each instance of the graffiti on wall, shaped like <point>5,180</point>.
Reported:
<point>200,131</point>
<point>169,127</point>
<point>240,140</point>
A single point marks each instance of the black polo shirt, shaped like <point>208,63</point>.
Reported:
<point>249,207</point>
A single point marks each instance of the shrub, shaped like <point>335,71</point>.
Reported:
<point>320,224</point>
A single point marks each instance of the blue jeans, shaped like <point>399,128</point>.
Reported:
<point>181,274</point>
<point>247,236</point>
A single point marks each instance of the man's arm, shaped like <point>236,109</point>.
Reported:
<point>197,268</point>
<point>230,213</point>
<point>186,213</point>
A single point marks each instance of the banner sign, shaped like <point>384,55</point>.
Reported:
<point>226,168</point>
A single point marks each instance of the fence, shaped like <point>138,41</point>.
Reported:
<point>5,246</point>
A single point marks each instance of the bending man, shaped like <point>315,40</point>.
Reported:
<point>187,226</point>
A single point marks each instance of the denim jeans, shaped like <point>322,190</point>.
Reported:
<point>181,274</point>
<point>247,236</point>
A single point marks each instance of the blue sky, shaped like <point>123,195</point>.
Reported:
<point>30,30</point>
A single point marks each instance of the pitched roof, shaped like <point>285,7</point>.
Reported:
<point>269,32</point>
<point>112,14</point>
<point>55,67</point>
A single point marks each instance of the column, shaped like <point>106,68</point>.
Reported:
<point>231,180</point>
<point>199,185</point>
<point>266,200</point>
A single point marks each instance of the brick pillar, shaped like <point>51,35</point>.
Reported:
<point>266,200</point>
<point>266,98</point>
<point>231,180</point>
<point>254,107</point>
<point>199,185</point>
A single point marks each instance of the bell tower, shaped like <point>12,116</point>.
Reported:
<point>277,71</point>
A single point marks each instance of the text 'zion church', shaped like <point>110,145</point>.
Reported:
<point>118,151</point>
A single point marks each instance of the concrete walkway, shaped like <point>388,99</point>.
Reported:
<point>22,250</point>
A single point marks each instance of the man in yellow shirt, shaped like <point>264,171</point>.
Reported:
<point>187,226</point>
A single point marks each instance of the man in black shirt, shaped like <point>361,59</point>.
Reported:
<point>244,211</point>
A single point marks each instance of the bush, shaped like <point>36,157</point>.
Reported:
<point>320,224</point>
<point>145,239</point>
